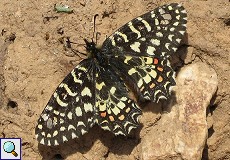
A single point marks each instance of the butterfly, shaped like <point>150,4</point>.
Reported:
<point>96,91</point>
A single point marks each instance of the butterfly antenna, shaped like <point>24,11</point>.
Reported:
<point>97,34</point>
<point>94,28</point>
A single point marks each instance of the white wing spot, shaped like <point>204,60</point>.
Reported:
<point>80,123</point>
<point>62,114</point>
<point>178,40</point>
<point>56,112</point>
<point>135,46</point>
<point>127,59</point>
<point>49,108</point>
<point>102,106</point>
<point>132,71</point>
<point>147,78</point>
<point>54,121</point>
<point>170,8</point>
<point>61,121</point>
<point>153,14</point>
<point>174,49</point>
<point>140,83</point>
<point>105,128</point>
<point>176,23</point>
<point>86,91</point>
<point>121,105</point>
<point>44,117</point>
<point>77,99</point>
<point>55,133</point>
<point>71,127</point>
<point>40,126</point>
<point>99,86</point>
<point>156,22</point>
<point>178,17</point>
<point>78,111</point>
<point>155,42</point>
<point>62,128</point>
<point>167,46</point>
<point>170,37</point>
<point>116,110</point>
<point>56,143</point>
<point>74,135</point>
<point>182,32</point>
<point>112,90</point>
<point>183,11</point>
<point>88,107</point>
<point>153,73</point>
<point>70,115</point>
<point>64,138</point>
<point>151,50</point>
<point>161,10</point>
<point>172,29</point>
<point>42,141</point>
<point>123,98</point>
<point>164,22</point>
<point>159,34</point>
<point>83,131</point>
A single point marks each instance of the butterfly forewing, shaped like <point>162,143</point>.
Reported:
<point>70,111</point>
<point>156,33</point>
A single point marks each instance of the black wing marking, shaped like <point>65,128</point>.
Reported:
<point>156,33</point>
<point>70,111</point>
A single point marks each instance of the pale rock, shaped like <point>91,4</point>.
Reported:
<point>181,133</point>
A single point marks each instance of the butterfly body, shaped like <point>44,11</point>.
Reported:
<point>97,90</point>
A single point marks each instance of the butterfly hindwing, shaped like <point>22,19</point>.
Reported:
<point>116,111</point>
<point>152,76</point>
<point>156,33</point>
<point>70,111</point>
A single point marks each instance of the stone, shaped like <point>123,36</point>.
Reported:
<point>181,133</point>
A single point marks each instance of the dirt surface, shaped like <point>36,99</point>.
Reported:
<point>34,60</point>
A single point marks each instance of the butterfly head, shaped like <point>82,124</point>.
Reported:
<point>90,46</point>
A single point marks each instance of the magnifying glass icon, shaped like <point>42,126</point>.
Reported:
<point>9,147</point>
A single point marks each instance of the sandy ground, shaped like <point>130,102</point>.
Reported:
<point>33,61</point>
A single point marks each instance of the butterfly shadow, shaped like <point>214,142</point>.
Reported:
<point>120,145</point>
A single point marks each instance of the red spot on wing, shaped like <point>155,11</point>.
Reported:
<point>155,61</point>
